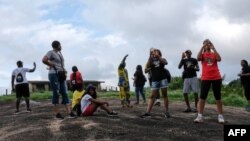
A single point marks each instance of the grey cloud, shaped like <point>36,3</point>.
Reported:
<point>234,10</point>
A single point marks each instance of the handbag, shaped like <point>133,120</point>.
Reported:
<point>62,75</point>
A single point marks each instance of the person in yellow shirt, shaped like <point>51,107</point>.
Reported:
<point>124,83</point>
<point>76,99</point>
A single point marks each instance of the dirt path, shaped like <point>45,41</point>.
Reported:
<point>40,125</point>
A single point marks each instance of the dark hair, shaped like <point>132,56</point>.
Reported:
<point>74,69</point>
<point>245,62</point>
<point>55,44</point>
<point>159,52</point>
<point>91,87</point>
<point>188,51</point>
<point>139,68</point>
<point>19,63</point>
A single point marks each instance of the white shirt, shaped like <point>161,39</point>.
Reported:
<point>23,72</point>
<point>85,102</point>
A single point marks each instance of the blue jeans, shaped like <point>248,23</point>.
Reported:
<point>58,87</point>
<point>139,90</point>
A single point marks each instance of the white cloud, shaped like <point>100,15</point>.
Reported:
<point>96,38</point>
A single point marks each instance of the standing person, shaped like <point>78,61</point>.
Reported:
<point>57,78</point>
<point>190,78</point>
<point>209,57</point>
<point>148,71</point>
<point>245,81</point>
<point>21,86</point>
<point>139,82</point>
<point>89,103</point>
<point>76,80</point>
<point>124,83</point>
<point>159,81</point>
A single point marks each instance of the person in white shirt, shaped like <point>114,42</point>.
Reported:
<point>89,103</point>
<point>20,84</point>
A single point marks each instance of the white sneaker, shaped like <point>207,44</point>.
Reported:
<point>199,119</point>
<point>221,119</point>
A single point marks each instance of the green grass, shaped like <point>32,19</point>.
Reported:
<point>229,98</point>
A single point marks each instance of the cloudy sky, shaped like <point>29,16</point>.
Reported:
<point>96,34</point>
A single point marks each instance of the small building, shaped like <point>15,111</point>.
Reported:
<point>36,86</point>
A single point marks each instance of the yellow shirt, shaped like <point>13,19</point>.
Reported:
<point>77,95</point>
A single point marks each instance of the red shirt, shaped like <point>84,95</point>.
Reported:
<point>78,77</point>
<point>210,70</point>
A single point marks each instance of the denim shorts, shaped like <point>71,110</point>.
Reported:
<point>156,85</point>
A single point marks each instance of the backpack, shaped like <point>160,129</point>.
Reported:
<point>73,81</point>
<point>168,74</point>
<point>19,77</point>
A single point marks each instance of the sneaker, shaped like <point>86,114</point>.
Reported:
<point>157,104</point>
<point>199,119</point>
<point>221,119</point>
<point>146,115</point>
<point>112,114</point>
<point>59,116</point>
<point>29,110</point>
<point>71,115</point>
<point>187,110</point>
<point>136,103</point>
<point>167,115</point>
<point>195,110</point>
<point>16,112</point>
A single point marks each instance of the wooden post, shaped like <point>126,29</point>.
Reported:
<point>6,91</point>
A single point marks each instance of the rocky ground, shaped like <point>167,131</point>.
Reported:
<point>40,125</point>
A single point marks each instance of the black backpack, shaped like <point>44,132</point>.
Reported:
<point>168,74</point>
<point>19,77</point>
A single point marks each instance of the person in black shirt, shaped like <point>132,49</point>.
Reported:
<point>159,81</point>
<point>190,78</point>
<point>139,82</point>
<point>245,81</point>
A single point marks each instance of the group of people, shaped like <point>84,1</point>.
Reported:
<point>85,102</point>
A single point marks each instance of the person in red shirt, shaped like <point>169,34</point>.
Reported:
<point>209,57</point>
<point>76,80</point>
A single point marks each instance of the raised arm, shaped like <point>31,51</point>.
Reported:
<point>124,58</point>
<point>199,56</point>
<point>34,68</point>
<point>218,57</point>
<point>122,64</point>
<point>181,62</point>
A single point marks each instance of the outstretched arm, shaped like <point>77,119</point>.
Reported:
<point>98,102</point>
